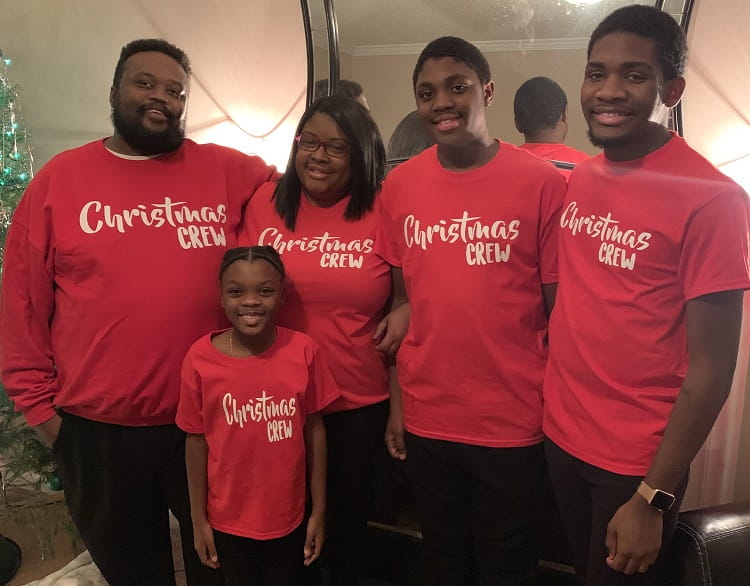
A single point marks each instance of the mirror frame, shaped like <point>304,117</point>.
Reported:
<point>334,75</point>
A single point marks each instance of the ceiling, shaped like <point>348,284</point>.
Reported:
<point>365,25</point>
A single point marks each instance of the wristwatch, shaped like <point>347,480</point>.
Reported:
<point>658,499</point>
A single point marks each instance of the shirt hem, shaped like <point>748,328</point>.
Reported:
<point>136,421</point>
<point>635,470</point>
<point>339,405</point>
<point>485,442</point>
<point>260,535</point>
<point>732,286</point>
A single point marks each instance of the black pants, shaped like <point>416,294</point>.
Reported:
<point>476,506</point>
<point>354,436</point>
<point>588,498</point>
<point>120,482</point>
<point>254,562</point>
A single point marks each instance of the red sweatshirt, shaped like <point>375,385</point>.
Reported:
<point>110,274</point>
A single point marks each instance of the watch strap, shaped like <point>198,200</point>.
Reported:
<point>659,499</point>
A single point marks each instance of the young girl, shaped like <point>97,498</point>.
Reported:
<point>250,402</point>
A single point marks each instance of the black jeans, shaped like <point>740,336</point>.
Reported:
<point>120,483</point>
<point>477,509</point>
<point>588,498</point>
<point>271,562</point>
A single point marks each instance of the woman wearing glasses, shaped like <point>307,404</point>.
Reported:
<point>320,217</point>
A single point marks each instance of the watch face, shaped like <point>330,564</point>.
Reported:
<point>662,500</point>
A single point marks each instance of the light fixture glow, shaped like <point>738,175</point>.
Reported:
<point>273,149</point>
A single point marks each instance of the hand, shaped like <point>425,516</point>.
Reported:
<point>392,329</point>
<point>634,536</point>
<point>49,430</point>
<point>394,435</point>
<point>203,540</point>
<point>314,538</point>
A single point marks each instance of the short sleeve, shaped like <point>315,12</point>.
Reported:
<point>386,246</point>
<point>715,253</point>
<point>190,407</point>
<point>322,389</point>
<point>550,205</point>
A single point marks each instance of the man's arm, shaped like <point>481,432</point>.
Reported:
<point>394,429</point>
<point>713,330</point>
<point>27,306</point>
<point>713,327</point>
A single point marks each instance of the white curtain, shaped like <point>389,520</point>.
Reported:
<point>716,115</point>
<point>248,57</point>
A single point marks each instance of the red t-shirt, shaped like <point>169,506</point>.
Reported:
<point>552,151</point>
<point>252,412</point>
<point>110,275</point>
<point>638,240</point>
<point>336,288</point>
<point>475,248</point>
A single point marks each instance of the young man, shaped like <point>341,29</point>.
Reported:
<point>107,282</point>
<point>643,339</point>
<point>540,110</point>
<point>471,226</point>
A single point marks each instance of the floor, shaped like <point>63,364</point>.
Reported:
<point>393,556</point>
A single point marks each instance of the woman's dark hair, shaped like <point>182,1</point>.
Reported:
<point>366,159</point>
<point>251,254</point>
<point>651,23</point>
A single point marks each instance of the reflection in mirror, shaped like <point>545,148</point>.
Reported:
<point>379,41</point>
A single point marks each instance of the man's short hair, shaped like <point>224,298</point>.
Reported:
<point>143,45</point>
<point>346,88</point>
<point>538,105</point>
<point>458,49</point>
<point>650,23</point>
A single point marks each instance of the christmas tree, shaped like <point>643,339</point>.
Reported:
<point>23,458</point>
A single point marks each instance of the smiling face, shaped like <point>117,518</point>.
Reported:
<point>623,92</point>
<point>325,179</point>
<point>451,102</point>
<point>147,105</point>
<point>251,293</point>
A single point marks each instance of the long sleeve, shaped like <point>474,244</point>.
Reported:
<point>27,306</point>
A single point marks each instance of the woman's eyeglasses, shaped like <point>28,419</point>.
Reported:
<point>333,148</point>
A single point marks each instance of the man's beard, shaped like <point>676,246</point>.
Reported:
<point>604,143</point>
<point>145,141</point>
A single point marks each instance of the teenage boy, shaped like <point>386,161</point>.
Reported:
<point>644,336</point>
<point>471,226</point>
<point>107,281</point>
<point>540,111</point>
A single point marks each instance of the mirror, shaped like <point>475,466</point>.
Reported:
<point>380,40</point>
